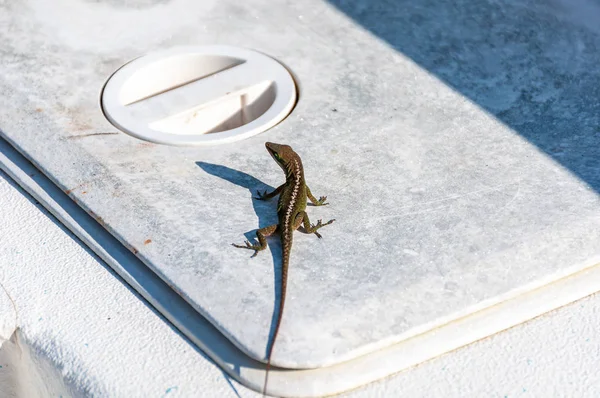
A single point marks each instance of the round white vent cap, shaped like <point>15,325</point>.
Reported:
<point>199,95</point>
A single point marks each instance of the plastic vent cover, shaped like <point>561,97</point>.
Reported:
<point>198,95</point>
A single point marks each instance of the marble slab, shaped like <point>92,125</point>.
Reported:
<point>442,207</point>
<point>317,382</point>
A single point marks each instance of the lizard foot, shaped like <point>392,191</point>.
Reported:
<point>320,225</point>
<point>261,195</point>
<point>321,201</point>
<point>250,246</point>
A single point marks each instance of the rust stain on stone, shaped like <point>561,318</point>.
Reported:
<point>68,191</point>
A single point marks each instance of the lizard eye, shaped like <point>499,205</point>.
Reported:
<point>277,156</point>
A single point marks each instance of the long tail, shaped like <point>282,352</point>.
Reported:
<point>287,247</point>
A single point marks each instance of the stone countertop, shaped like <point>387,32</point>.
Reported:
<point>440,205</point>
<point>95,337</point>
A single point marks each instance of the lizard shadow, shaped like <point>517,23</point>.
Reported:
<point>266,211</point>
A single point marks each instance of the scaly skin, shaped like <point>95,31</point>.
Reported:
<point>293,196</point>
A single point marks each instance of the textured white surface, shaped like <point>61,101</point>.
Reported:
<point>73,311</point>
<point>294,383</point>
<point>78,317</point>
<point>450,198</point>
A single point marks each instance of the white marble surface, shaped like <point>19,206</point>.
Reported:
<point>297,383</point>
<point>65,297</point>
<point>439,205</point>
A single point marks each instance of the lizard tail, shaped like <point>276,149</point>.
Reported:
<point>286,243</point>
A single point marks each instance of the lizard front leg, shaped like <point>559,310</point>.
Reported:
<point>261,234</point>
<point>313,200</point>
<point>264,195</point>
<point>302,219</point>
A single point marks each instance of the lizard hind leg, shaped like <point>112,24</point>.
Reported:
<point>262,235</point>
<point>302,219</point>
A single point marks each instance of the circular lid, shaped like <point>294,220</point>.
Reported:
<point>198,95</point>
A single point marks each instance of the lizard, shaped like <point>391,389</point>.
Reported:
<point>291,212</point>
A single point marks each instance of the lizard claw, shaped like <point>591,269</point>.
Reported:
<point>247,245</point>
<point>321,201</point>
<point>260,195</point>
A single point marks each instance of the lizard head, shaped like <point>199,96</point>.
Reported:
<point>282,154</point>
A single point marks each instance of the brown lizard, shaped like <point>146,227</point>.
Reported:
<point>291,208</point>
